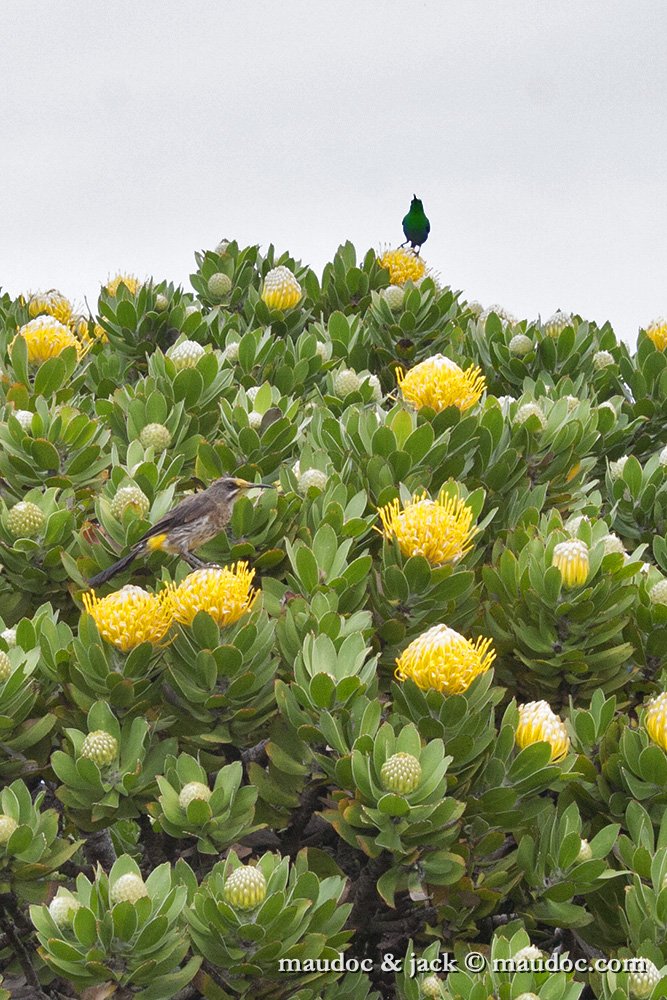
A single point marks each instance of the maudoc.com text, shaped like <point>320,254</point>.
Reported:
<point>474,961</point>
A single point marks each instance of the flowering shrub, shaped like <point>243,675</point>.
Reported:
<point>414,702</point>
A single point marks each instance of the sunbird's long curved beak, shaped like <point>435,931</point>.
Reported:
<point>243,484</point>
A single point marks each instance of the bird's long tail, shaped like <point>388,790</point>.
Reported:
<point>117,567</point>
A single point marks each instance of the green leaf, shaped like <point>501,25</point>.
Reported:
<point>632,475</point>
<point>393,805</point>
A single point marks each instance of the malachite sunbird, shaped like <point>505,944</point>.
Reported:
<point>416,226</point>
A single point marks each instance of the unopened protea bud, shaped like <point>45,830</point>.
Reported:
<point>571,558</point>
<point>9,635</point>
<point>100,747</point>
<point>24,417</point>
<point>155,436</point>
<point>245,888</point>
<point>642,984</point>
<point>574,523</point>
<point>322,350</point>
<point>7,826</point>
<point>281,290</point>
<point>255,419</point>
<point>520,344</point>
<point>63,907</point>
<point>231,351</point>
<point>658,593</point>
<point>128,889</point>
<point>602,359</point>
<point>25,520</point>
<point>5,667</point>
<point>393,296</point>
<point>527,411</point>
<point>431,988</point>
<point>161,303</point>
<point>222,248</point>
<point>374,383</point>
<point>528,996</point>
<point>345,382</point>
<point>219,285</point>
<point>311,477</point>
<point>191,310</point>
<point>585,852</point>
<point>612,543</point>
<point>503,314</point>
<point>401,773</point>
<point>557,323</point>
<point>616,468</point>
<point>186,354</point>
<point>662,458</point>
<point>130,498</point>
<point>194,791</point>
<point>530,953</point>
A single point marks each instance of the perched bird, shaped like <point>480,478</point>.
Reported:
<point>416,226</point>
<point>190,524</point>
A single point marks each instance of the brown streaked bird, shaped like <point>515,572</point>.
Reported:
<point>190,524</point>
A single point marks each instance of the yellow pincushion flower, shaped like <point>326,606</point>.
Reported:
<point>79,325</point>
<point>403,265</point>
<point>438,382</point>
<point>51,303</point>
<point>538,724</point>
<point>440,530</point>
<point>571,558</point>
<point>130,616</point>
<point>131,282</point>
<point>442,659</point>
<point>281,290</point>
<point>46,338</point>
<point>655,720</point>
<point>657,332</point>
<point>225,594</point>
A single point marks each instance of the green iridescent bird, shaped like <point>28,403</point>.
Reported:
<point>416,226</point>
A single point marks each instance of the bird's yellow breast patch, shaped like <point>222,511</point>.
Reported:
<point>155,542</point>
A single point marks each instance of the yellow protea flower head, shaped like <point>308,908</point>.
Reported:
<point>538,724</point>
<point>130,281</point>
<point>245,888</point>
<point>100,747</point>
<point>571,558</point>
<point>642,983</point>
<point>438,382</point>
<point>225,594</point>
<point>657,332</point>
<point>403,265</point>
<point>655,719</point>
<point>401,773</point>
<point>80,326</point>
<point>440,530</point>
<point>51,303</point>
<point>130,616</point>
<point>281,290</point>
<point>442,659</point>
<point>46,338</point>
<point>555,325</point>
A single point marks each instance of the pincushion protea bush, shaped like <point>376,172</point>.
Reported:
<point>415,702</point>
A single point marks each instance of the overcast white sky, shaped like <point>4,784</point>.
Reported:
<point>134,133</point>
